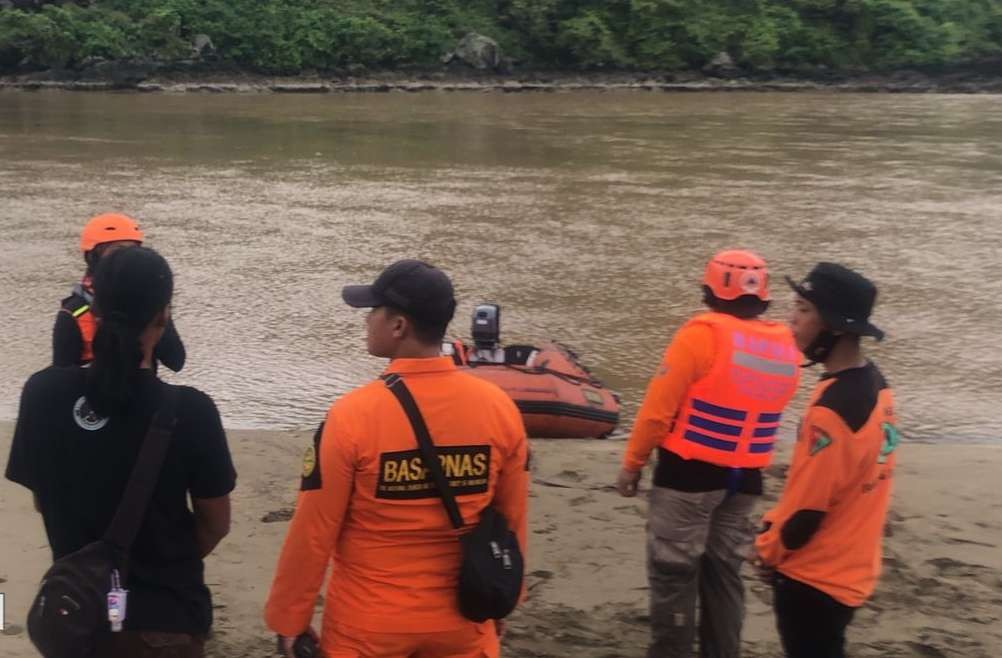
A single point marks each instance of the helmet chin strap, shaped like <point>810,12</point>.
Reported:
<point>820,348</point>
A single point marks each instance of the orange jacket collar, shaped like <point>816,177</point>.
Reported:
<point>420,366</point>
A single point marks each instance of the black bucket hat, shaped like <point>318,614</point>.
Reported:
<point>421,290</point>
<point>844,298</point>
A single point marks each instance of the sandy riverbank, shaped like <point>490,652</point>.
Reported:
<point>941,594</point>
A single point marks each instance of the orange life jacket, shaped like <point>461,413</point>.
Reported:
<point>731,416</point>
<point>846,471</point>
<point>78,305</point>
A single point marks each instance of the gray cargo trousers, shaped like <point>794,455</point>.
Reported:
<point>696,544</point>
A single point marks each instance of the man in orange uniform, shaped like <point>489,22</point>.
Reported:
<point>712,411</point>
<point>369,506</point>
<point>824,536</point>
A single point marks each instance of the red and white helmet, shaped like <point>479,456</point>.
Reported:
<point>735,273</point>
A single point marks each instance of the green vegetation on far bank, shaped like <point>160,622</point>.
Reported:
<point>292,36</point>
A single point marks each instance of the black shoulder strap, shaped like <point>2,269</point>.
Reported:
<point>80,300</point>
<point>75,305</point>
<point>429,458</point>
<point>132,508</point>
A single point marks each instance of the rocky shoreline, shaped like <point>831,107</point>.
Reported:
<point>240,83</point>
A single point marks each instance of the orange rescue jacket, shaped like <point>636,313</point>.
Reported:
<point>842,467</point>
<point>731,416</point>
<point>370,510</point>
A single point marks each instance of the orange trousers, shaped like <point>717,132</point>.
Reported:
<point>471,641</point>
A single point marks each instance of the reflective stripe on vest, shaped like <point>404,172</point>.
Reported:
<point>732,415</point>
<point>760,364</point>
<point>765,427</point>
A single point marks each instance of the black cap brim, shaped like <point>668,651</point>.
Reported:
<point>797,288</point>
<point>836,322</point>
<point>360,297</point>
<point>849,326</point>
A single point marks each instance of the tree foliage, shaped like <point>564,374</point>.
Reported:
<point>291,36</point>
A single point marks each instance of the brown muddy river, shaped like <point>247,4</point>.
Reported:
<point>587,216</point>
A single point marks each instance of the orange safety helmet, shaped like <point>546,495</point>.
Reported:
<point>109,227</point>
<point>735,273</point>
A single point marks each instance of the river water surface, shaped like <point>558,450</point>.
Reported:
<point>587,216</point>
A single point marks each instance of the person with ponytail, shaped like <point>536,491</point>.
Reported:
<point>79,432</point>
<point>75,326</point>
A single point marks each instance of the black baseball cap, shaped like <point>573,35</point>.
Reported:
<point>420,290</point>
<point>844,298</point>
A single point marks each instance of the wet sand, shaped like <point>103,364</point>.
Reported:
<point>941,593</point>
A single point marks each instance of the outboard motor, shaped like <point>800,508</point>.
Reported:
<point>486,329</point>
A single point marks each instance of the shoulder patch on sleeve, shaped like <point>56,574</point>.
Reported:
<point>311,478</point>
<point>819,440</point>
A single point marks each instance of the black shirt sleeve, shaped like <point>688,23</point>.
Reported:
<point>170,350</point>
<point>800,527</point>
<point>67,343</point>
<point>20,463</point>
<point>209,464</point>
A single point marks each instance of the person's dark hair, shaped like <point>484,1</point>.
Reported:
<point>744,307</point>
<point>91,259</point>
<point>131,286</point>
<point>426,332</point>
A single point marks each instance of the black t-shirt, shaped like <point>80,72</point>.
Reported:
<point>692,475</point>
<point>78,464</point>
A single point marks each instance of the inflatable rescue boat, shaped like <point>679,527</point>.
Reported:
<point>557,396</point>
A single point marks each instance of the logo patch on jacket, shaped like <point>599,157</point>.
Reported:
<point>402,475</point>
<point>311,479</point>
<point>819,441</point>
<point>309,461</point>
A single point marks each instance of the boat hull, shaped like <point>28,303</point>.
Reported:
<point>557,396</point>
